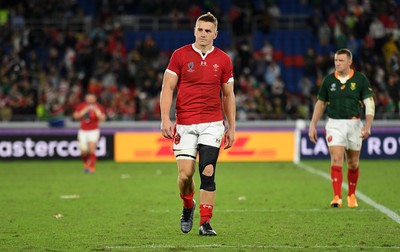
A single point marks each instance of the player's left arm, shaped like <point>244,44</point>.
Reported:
<point>368,99</point>
<point>229,104</point>
<point>100,113</point>
<point>369,117</point>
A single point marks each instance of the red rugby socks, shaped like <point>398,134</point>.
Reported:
<point>205,212</point>
<point>337,179</point>
<point>187,200</point>
<point>352,178</point>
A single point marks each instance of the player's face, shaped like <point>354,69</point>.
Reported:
<point>205,33</point>
<point>342,62</point>
<point>90,98</point>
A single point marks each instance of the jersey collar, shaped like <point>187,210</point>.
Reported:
<point>201,54</point>
<point>350,74</point>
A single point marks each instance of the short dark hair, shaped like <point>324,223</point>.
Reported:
<point>345,51</point>
<point>208,17</point>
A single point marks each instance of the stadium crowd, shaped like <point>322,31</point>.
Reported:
<point>45,71</point>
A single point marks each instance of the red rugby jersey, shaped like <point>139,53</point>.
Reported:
<point>200,82</point>
<point>89,121</point>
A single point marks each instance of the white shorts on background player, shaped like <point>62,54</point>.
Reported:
<point>344,132</point>
<point>187,137</point>
<point>87,136</point>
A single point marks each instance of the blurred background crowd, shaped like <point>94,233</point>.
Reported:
<point>52,52</point>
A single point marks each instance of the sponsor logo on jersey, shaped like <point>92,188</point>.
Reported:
<point>203,63</point>
<point>190,66</point>
<point>353,86</point>
<point>333,87</point>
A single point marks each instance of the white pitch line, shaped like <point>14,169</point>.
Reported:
<point>391,214</point>
<point>272,210</point>
<point>251,246</point>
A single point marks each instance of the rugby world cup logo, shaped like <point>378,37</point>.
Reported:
<point>190,66</point>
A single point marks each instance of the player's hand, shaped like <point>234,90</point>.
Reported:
<point>312,134</point>
<point>84,111</point>
<point>97,111</point>
<point>167,129</point>
<point>365,133</point>
<point>229,138</point>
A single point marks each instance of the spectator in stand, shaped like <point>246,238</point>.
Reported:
<point>267,52</point>
<point>272,72</point>
<point>353,45</point>
<point>324,34</point>
<point>394,90</point>
<point>274,13</point>
<point>306,87</point>
<point>52,52</point>
<point>310,68</point>
<point>378,33</point>
<point>391,54</point>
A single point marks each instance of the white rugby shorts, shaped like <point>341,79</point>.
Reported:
<point>344,132</point>
<point>188,137</point>
<point>87,136</point>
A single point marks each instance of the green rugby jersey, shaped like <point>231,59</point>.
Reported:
<point>345,100</point>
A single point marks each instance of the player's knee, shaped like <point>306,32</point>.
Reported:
<point>207,183</point>
<point>352,164</point>
<point>208,156</point>
<point>92,147</point>
<point>208,179</point>
<point>336,160</point>
<point>83,147</point>
<point>208,170</point>
<point>185,174</point>
<point>185,178</point>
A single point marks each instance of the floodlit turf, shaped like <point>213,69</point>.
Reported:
<point>136,207</point>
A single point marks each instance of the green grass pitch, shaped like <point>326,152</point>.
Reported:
<point>136,207</point>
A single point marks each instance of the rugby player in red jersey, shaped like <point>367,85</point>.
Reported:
<point>90,113</point>
<point>203,77</point>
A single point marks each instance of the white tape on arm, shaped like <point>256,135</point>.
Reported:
<point>369,106</point>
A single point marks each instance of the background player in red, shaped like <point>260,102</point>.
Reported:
<point>200,72</point>
<point>90,113</point>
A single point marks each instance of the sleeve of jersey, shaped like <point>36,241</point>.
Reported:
<point>79,107</point>
<point>174,64</point>
<point>367,89</point>
<point>102,109</point>
<point>322,93</point>
<point>227,74</point>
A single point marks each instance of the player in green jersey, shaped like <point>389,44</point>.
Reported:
<point>346,92</point>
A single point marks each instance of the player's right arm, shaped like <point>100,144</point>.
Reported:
<point>167,91</point>
<point>79,112</point>
<point>319,109</point>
